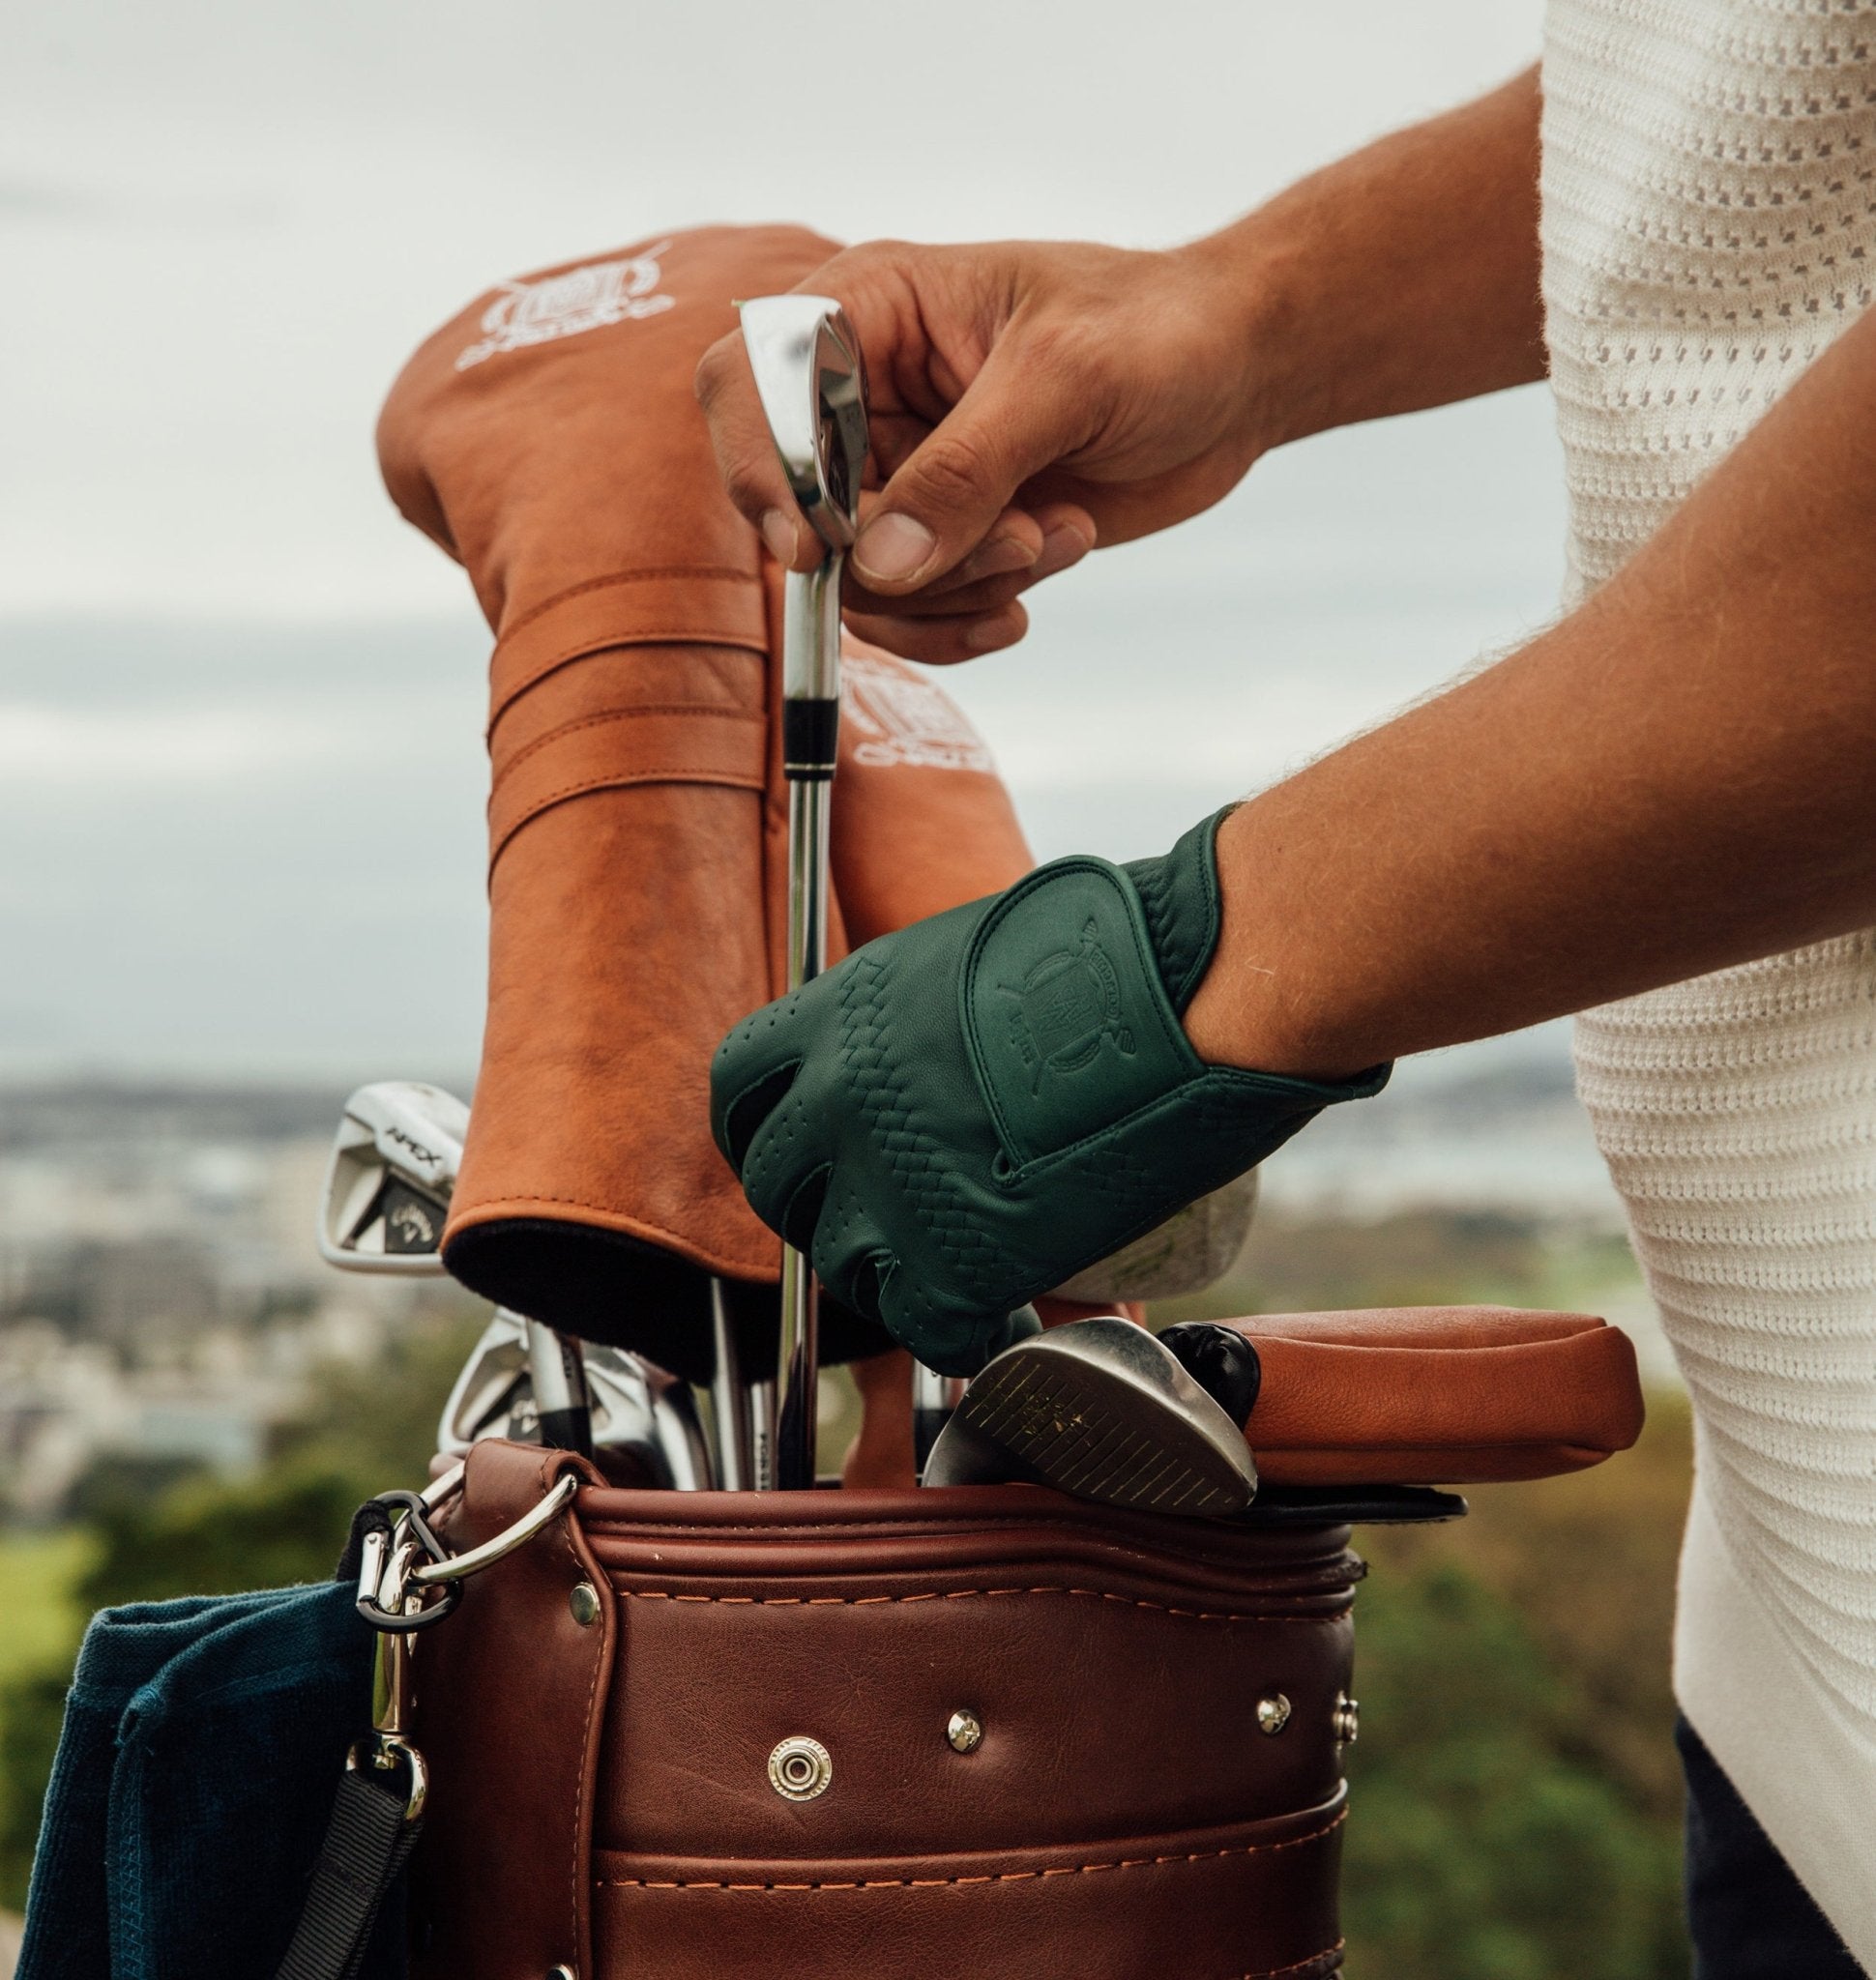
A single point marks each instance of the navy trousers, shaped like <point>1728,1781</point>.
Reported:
<point>1750,1917</point>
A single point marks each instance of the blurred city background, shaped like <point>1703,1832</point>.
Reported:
<point>241,782</point>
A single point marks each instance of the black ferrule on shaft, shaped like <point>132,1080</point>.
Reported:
<point>810,737</point>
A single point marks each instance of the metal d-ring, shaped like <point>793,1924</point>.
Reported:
<point>456,1567</point>
<point>390,1575</point>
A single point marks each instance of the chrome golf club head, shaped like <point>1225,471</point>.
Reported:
<point>640,1407</point>
<point>639,1413</point>
<point>393,1171</point>
<point>812,381</point>
<point>394,1164</point>
<point>1101,1410</point>
<point>493,1395</point>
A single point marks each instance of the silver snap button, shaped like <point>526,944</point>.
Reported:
<point>1273,1714</point>
<point>1346,1719</point>
<point>584,1602</point>
<point>800,1768</point>
<point>965,1732</point>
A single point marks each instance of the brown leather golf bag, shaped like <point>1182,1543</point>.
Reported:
<point>992,1730</point>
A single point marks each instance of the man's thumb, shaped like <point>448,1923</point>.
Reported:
<point>941,502</point>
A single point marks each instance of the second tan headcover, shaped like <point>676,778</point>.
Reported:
<point>548,438</point>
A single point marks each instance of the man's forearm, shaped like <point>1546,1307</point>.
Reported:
<point>1680,776</point>
<point>1404,275</point>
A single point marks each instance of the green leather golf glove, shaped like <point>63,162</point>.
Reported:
<point>963,1114</point>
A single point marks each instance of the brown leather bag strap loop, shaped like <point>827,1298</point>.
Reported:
<point>620,747</point>
<point>509,1708</point>
<point>706,606</point>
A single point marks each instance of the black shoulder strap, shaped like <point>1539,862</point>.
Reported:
<point>375,1822</point>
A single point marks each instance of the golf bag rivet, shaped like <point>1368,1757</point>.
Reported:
<point>800,1768</point>
<point>1273,1714</point>
<point>562,1974</point>
<point>1346,1719</point>
<point>584,1602</point>
<point>965,1732</point>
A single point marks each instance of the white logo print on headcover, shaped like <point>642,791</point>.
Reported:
<point>904,719</point>
<point>585,297</point>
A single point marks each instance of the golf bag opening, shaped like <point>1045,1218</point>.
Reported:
<point>610,1287</point>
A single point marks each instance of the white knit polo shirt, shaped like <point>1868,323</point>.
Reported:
<point>1708,226</point>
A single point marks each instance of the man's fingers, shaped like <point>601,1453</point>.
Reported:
<point>1020,414</point>
<point>968,598</point>
<point>942,642</point>
<point>746,457</point>
<point>969,601</point>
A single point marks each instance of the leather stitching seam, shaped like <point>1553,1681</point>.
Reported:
<point>619,780</point>
<point>933,1883</point>
<point>651,772</point>
<point>1299,1965</point>
<point>651,573</point>
<point>625,715</point>
<point>549,1472</point>
<point>609,641</point>
<point>966,1594</point>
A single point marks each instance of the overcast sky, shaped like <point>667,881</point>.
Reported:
<point>240,768</point>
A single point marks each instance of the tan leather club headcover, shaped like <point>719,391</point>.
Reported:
<point>548,438</point>
<point>1438,1395</point>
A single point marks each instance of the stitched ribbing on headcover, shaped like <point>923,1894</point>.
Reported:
<point>663,607</point>
<point>1178,893</point>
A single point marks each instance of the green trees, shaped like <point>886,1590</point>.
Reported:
<point>1484,1843</point>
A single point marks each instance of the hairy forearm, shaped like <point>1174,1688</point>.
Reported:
<point>1404,275</point>
<point>1680,776</point>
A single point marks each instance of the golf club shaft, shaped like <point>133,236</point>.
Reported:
<point>934,1397</point>
<point>811,739</point>
<point>762,1433</point>
<point>559,1376</point>
<point>729,1399</point>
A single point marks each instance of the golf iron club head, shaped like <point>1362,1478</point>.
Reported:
<point>394,1164</point>
<point>1099,1409</point>
<point>811,380</point>
<point>385,1199</point>
<point>641,1412</point>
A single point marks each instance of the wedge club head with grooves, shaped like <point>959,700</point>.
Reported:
<point>1101,1409</point>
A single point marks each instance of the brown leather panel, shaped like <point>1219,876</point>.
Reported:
<point>593,1100</point>
<point>1443,1327</point>
<point>509,1695</point>
<point>1439,1395</point>
<point>675,606</point>
<point>865,1620</point>
<point>755,1534</point>
<point>711,680</point>
<point>620,747</point>
<point>1244,1902</point>
<point>1121,1815</point>
<point>1074,1682</point>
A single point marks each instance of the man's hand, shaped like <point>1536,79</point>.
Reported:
<point>1029,400</point>
<point>964,1114</point>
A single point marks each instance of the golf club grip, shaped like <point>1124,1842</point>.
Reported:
<point>811,739</point>
<point>568,1430</point>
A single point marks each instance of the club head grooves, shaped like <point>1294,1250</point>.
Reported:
<point>1101,1409</point>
